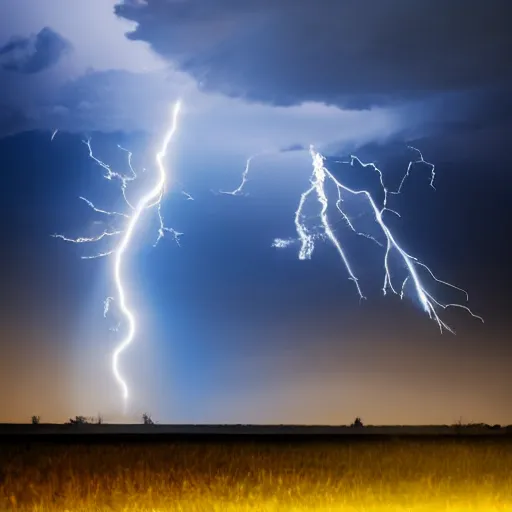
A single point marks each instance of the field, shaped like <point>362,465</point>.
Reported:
<point>458,474</point>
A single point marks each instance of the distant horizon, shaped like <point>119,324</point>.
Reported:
<point>239,297</point>
<point>91,422</point>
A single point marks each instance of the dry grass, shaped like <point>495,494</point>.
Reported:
<point>387,476</point>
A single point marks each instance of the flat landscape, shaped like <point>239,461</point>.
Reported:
<point>263,469</point>
<point>11,429</point>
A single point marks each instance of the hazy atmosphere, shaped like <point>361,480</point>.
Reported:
<point>230,328</point>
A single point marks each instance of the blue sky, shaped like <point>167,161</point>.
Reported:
<point>232,329</point>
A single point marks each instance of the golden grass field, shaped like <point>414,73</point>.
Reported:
<point>399,475</point>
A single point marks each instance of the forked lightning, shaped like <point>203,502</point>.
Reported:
<point>307,238</point>
<point>152,198</point>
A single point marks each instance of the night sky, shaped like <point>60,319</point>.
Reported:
<point>232,330</point>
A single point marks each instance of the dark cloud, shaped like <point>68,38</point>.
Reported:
<point>34,53</point>
<point>12,120</point>
<point>294,147</point>
<point>351,52</point>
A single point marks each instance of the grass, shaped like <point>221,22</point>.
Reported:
<point>380,476</point>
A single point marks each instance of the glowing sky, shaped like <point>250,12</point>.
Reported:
<point>235,331</point>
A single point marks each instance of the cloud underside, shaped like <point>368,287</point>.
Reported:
<point>34,53</point>
<point>385,67</point>
<point>347,52</point>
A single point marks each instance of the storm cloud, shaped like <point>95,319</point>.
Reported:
<point>33,54</point>
<point>352,52</point>
<point>427,68</point>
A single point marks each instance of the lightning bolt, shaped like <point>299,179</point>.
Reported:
<point>239,191</point>
<point>421,160</point>
<point>245,175</point>
<point>306,238</point>
<point>152,198</point>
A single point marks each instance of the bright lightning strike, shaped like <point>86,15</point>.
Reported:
<point>153,198</point>
<point>421,160</point>
<point>239,191</point>
<point>306,238</point>
<point>245,175</point>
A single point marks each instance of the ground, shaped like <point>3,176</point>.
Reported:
<point>256,474</point>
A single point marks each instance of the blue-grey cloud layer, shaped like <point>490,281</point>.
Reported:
<point>34,53</point>
<point>344,51</point>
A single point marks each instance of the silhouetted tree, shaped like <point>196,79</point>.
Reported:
<point>146,419</point>
<point>357,423</point>
<point>36,420</point>
<point>78,420</point>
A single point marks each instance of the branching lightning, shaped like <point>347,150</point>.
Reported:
<point>239,191</point>
<point>421,160</point>
<point>152,198</point>
<point>307,238</point>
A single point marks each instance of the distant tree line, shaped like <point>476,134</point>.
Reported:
<point>91,420</point>
<point>357,423</point>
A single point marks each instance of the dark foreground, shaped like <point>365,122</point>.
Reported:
<point>217,472</point>
<point>235,431</point>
